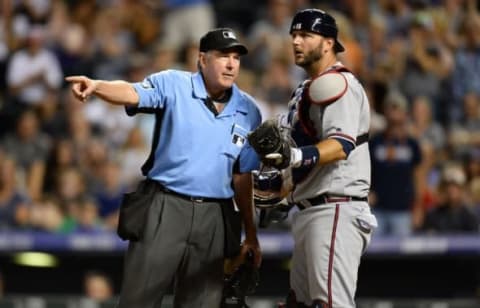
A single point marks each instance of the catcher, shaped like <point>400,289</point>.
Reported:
<point>327,174</point>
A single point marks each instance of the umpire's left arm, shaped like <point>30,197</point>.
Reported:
<point>243,184</point>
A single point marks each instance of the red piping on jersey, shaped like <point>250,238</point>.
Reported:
<point>344,136</point>
<point>332,253</point>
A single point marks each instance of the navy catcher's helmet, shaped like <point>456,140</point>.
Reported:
<point>317,21</point>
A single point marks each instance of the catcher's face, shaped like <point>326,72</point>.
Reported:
<point>220,69</point>
<point>309,48</point>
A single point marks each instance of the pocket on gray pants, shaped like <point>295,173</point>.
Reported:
<point>134,211</point>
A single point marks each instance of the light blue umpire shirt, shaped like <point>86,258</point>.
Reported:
<point>194,151</point>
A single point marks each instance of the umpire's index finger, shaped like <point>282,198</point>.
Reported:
<point>75,78</point>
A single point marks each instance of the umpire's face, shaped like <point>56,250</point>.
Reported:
<point>220,69</point>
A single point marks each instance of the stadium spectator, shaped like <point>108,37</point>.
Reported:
<point>384,56</point>
<point>267,36</point>
<point>34,74</point>
<point>423,125</point>
<point>165,56</point>
<point>61,157</point>
<point>275,84</point>
<point>88,218</point>
<point>97,286</point>
<point>79,130</point>
<point>30,148</point>
<point>139,20</point>
<point>395,159</point>
<point>74,50</point>
<point>108,123</point>
<point>452,214</point>
<point>49,215</point>
<point>70,186</point>
<point>377,119</point>
<point>127,156</point>
<point>14,205</point>
<point>185,21</point>
<point>109,193</point>
<point>94,157</point>
<point>466,74</point>
<point>354,59</point>
<point>432,139</point>
<point>112,42</point>
<point>464,136</point>
<point>427,63</point>
<point>474,191</point>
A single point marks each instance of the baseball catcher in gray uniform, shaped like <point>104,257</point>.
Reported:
<point>327,173</point>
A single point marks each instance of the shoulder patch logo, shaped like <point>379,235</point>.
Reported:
<point>146,84</point>
<point>238,140</point>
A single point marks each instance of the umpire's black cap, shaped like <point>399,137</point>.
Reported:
<point>222,39</point>
<point>317,21</point>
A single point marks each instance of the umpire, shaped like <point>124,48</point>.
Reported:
<point>200,160</point>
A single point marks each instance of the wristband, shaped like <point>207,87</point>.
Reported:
<point>306,156</point>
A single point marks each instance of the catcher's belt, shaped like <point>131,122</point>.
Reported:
<point>324,198</point>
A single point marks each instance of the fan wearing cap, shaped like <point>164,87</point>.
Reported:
<point>453,213</point>
<point>200,162</point>
<point>329,119</point>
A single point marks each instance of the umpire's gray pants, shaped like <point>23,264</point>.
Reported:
<point>183,242</point>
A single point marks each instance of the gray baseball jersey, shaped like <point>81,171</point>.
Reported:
<point>347,118</point>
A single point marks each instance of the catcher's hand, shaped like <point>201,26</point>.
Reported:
<point>273,149</point>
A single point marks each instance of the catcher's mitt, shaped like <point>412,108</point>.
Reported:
<point>242,282</point>
<point>269,143</point>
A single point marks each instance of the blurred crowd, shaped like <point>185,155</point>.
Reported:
<point>64,165</point>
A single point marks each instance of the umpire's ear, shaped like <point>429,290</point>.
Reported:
<point>202,61</point>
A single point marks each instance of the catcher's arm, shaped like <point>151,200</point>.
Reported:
<point>275,151</point>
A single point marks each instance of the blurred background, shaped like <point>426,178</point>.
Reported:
<point>65,165</point>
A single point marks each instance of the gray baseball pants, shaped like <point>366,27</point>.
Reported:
<point>182,244</point>
<point>329,242</point>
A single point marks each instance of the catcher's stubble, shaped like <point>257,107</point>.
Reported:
<point>311,57</point>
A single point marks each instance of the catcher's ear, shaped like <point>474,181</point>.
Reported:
<point>327,88</point>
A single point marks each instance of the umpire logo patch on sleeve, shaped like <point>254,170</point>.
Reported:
<point>238,140</point>
<point>146,84</point>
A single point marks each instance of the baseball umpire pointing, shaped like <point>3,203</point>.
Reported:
<point>200,159</point>
<point>328,171</point>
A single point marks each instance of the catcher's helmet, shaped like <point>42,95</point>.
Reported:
<point>317,21</point>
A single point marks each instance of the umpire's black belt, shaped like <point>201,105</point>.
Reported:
<point>324,198</point>
<point>190,198</point>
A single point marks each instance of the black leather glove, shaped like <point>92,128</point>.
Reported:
<point>273,149</point>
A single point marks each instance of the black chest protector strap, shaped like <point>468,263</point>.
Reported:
<point>361,139</point>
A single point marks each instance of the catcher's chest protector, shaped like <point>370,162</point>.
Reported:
<point>304,113</point>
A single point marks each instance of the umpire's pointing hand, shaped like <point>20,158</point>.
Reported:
<point>82,87</point>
